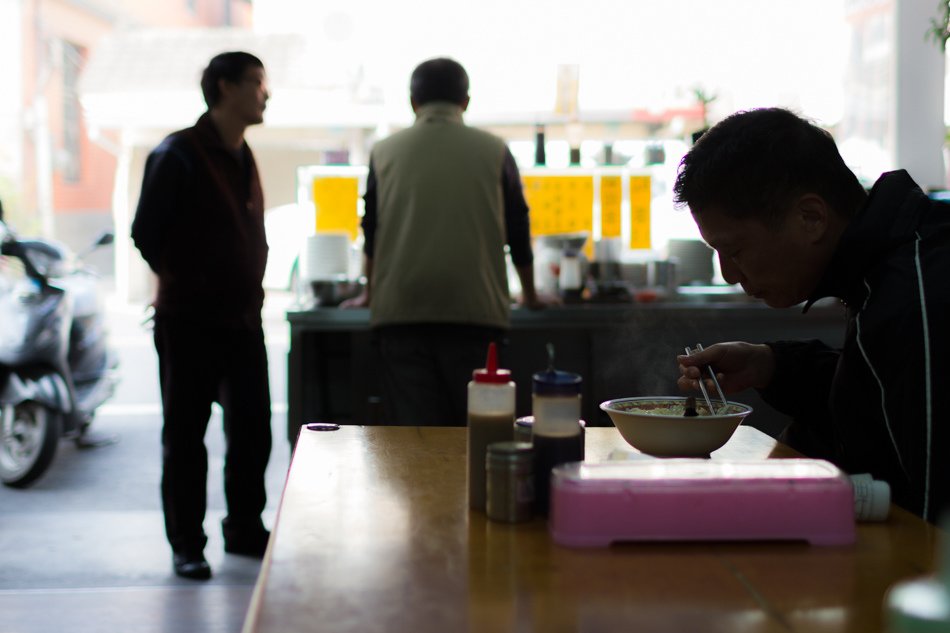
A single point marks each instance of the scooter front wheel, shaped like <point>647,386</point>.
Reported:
<point>29,435</point>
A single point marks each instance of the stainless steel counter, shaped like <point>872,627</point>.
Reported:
<point>620,350</point>
<point>586,313</point>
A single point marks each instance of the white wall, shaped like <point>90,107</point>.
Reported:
<point>919,104</point>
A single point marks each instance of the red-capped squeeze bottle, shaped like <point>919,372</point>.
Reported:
<point>491,415</point>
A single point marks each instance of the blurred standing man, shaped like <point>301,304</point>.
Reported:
<point>442,200</point>
<point>791,223</point>
<point>200,227</point>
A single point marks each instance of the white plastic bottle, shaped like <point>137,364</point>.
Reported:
<point>872,498</point>
<point>491,415</point>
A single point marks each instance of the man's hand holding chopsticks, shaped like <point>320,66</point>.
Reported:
<point>738,366</point>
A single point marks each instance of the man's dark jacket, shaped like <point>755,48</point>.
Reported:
<point>200,227</point>
<point>882,402</point>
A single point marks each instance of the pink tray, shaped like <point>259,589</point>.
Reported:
<point>596,504</point>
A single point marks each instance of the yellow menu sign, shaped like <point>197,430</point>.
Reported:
<point>335,199</point>
<point>559,204</point>
<point>611,199</point>
<point>640,212</point>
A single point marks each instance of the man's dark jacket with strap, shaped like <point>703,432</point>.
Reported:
<point>883,401</point>
<point>200,227</point>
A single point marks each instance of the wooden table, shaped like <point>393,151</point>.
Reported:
<point>374,534</point>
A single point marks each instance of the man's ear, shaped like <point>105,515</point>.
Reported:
<point>813,216</point>
<point>464,104</point>
<point>224,88</point>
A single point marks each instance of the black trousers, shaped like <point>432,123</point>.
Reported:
<point>425,370</point>
<point>200,364</point>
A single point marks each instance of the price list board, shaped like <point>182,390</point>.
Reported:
<point>640,212</point>
<point>611,205</point>
<point>560,204</point>
<point>335,200</point>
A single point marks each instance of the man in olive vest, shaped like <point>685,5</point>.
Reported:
<point>442,200</point>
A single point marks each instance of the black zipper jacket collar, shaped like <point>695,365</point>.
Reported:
<point>875,230</point>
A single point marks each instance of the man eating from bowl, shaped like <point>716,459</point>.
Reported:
<point>791,223</point>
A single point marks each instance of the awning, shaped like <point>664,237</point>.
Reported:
<point>150,79</point>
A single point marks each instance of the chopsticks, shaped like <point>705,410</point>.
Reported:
<point>702,383</point>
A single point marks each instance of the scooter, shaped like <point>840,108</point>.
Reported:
<point>56,367</point>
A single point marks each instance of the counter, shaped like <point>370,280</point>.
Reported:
<point>374,534</point>
<point>620,350</point>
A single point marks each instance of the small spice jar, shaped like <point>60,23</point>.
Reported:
<point>510,478</point>
<point>523,428</point>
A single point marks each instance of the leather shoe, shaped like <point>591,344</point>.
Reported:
<point>193,566</point>
<point>253,544</point>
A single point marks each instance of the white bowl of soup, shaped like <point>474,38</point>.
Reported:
<point>658,425</point>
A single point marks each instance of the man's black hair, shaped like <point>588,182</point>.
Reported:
<point>227,66</point>
<point>753,164</point>
<point>439,79</point>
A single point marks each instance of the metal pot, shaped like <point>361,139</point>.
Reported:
<point>329,293</point>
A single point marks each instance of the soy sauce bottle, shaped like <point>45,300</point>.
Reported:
<point>491,415</point>
<point>557,435</point>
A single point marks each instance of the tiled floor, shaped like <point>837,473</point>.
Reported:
<point>209,608</point>
<point>84,551</point>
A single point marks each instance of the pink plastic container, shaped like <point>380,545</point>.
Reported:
<point>596,504</point>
